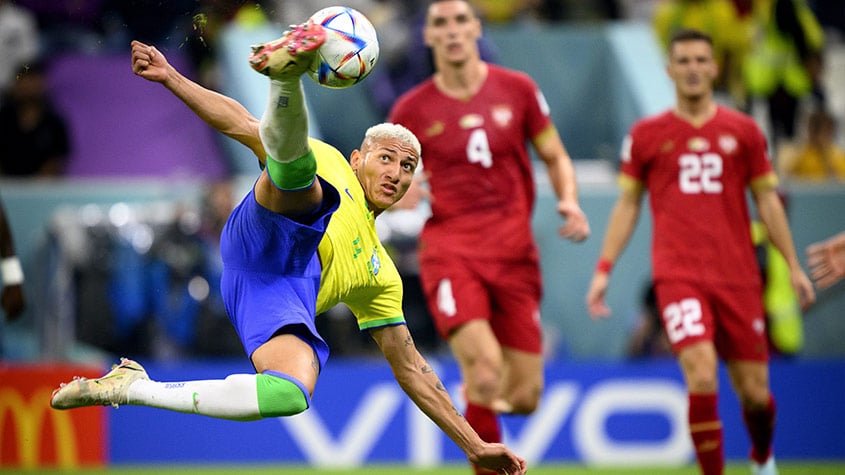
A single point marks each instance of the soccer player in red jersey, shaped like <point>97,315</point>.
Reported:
<point>696,162</point>
<point>478,258</point>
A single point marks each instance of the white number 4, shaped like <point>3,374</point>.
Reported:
<point>700,173</point>
<point>478,149</point>
<point>683,319</point>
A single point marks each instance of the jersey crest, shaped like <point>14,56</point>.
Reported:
<point>436,128</point>
<point>728,144</point>
<point>698,144</point>
<point>375,263</point>
<point>471,121</point>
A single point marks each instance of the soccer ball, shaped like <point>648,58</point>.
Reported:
<point>350,51</point>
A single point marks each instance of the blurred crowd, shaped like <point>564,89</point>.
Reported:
<point>771,52</point>
<point>772,55</point>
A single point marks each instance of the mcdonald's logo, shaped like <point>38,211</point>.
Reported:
<point>33,435</point>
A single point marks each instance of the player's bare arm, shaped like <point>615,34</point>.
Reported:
<point>620,227</point>
<point>551,150</point>
<point>774,218</point>
<point>424,387</point>
<point>222,113</point>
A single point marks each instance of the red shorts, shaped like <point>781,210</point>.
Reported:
<point>731,317</point>
<point>505,294</point>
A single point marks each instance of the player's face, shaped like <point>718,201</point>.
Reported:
<point>452,31</point>
<point>385,168</point>
<point>692,68</point>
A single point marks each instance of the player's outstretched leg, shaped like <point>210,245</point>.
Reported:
<point>109,390</point>
<point>238,397</point>
<point>290,55</point>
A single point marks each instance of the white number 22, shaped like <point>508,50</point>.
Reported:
<point>683,319</point>
<point>700,173</point>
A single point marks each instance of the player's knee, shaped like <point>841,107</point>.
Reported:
<point>525,401</point>
<point>484,387</point>
<point>702,383</point>
<point>754,396</point>
<point>280,395</point>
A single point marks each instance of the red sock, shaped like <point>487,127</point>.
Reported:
<point>486,423</point>
<point>706,431</point>
<point>761,427</point>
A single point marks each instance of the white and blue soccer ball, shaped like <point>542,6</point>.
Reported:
<point>350,51</point>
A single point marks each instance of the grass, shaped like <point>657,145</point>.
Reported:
<point>794,468</point>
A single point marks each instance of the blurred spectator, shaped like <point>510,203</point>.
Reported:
<point>214,333</point>
<point>34,139</point>
<point>784,65</point>
<point>19,40</point>
<point>648,339</point>
<point>408,61</point>
<point>496,11</point>
<point>831,15</point>
<point>294,12</point>
<point>12,300</point>
<point>818,157</point>
<point>11,273</point>
<point>730,34</point>
<point>166,24</point>
<point>69,25</point>
<point>784,319</point>
<point>577,10</point>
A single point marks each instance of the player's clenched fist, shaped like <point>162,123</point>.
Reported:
<point>148,62</point>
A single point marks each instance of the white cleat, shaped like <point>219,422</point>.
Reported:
<point>109,390</point>
<point>768,468</point>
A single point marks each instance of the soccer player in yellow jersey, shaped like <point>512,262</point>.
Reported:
<point>302,240</point>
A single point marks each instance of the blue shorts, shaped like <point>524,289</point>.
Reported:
<point>271,272</point>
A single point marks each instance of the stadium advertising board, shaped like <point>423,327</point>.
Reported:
<point>32,435</point>
<point>598,413</point>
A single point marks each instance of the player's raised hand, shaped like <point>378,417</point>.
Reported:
<point>576,228</point>
<point>148,62</point>
<point>499,458</point>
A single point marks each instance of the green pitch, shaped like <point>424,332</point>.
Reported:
<point>808,468</point>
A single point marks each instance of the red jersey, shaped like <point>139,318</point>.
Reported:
<point>480,173</point>
<point>696,179</point>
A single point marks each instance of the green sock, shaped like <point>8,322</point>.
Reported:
<point>295,175</point>
<point>280,395</point>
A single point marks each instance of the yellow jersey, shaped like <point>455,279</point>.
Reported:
<point>356,269</point>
